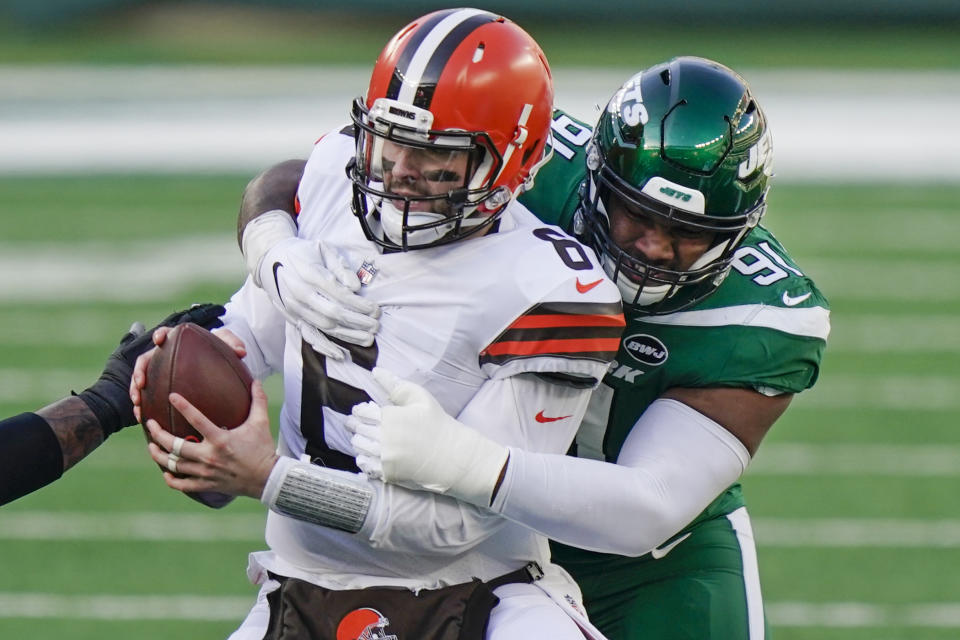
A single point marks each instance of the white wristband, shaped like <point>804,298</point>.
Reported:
<point>261,234</point>
<point>322,496</point>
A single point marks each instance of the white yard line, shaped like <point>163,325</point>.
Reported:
<point>836,533</point>
<point>143,271</point>
<point>153,118</point>
<point>902,280</point>
<point>176,527</point>
<point>899,334</point>
<point>833,391</point>
<point>126,451</point>
<point>899,460</point>
<point>944,615</point>
<point>135,271</point>
<point>143,526</point>
<point>851,332</point>
<point>852,391</point>
<point>125,607</point>
<point>39,387</point>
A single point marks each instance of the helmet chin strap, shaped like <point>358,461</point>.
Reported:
<point>655,293</point>
<point>629,289</point>
<point>391,219</point>
<point>711,254</point>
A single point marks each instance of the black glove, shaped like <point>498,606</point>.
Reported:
<point>109,397</point>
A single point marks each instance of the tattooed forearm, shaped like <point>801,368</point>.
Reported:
<point>75,426</point>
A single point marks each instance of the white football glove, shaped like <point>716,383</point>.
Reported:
<point>313,288</point>
<point>415,444</point>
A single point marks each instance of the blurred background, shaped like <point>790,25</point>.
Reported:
<point>128,129</point>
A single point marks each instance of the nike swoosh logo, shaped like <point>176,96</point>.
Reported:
<point>791,301</point>
<point>583,288</point>
<point>276,282</point>
<point>542,418</point>
<point>659,552</point>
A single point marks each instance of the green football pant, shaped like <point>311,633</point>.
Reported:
<point>705,587</point>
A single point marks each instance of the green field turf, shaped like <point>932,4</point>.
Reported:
<point>855,493</point>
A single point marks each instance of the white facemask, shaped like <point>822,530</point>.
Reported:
<point>655,293</point>
<point>391,219</point>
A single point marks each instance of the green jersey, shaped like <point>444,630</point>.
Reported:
<point>764,328</point>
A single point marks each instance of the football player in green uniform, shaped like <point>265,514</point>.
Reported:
<point>723,328</point>
<point>671,188</point>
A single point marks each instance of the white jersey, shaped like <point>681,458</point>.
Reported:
<point>455,319</point>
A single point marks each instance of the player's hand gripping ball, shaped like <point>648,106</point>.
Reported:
<point>203,369</point>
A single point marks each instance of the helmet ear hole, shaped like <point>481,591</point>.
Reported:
<point>665,77</point>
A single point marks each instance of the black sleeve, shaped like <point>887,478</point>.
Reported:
<point>30,456</point>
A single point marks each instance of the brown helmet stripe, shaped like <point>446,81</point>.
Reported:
<point>423,59</point>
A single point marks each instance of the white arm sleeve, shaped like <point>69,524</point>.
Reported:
<point>674,462</point>
<point>506,411</point>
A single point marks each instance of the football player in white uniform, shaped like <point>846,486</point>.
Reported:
<point>408,217</point>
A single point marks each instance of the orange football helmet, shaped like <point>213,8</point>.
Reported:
<point>467,95</point>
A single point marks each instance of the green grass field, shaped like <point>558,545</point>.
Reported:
<point>855,494</point>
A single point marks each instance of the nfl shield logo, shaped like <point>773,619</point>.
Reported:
<point>366,272</point>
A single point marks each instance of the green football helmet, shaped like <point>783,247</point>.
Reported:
<point>686,143</point>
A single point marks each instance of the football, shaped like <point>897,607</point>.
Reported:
<point>203,369</point>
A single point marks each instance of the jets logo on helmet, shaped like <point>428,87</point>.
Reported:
<point>686,144</point>
<point>628,103</point>
<point>454,124</point>
<point>364,624</point>
<point>760,156</point>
